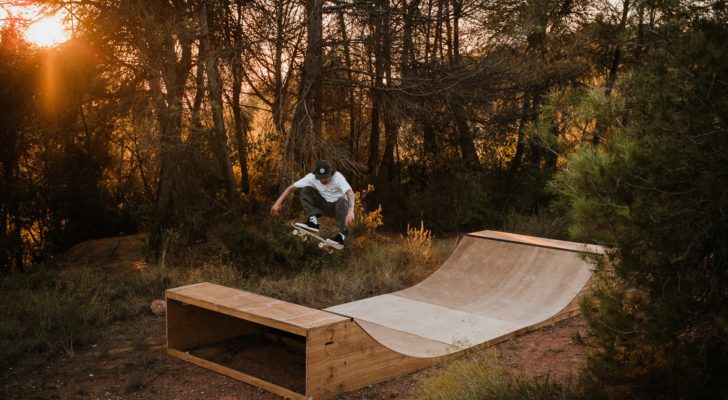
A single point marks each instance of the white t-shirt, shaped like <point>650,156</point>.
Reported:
<point>334,190</point>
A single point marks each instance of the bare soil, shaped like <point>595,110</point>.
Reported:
<point>130,362</point>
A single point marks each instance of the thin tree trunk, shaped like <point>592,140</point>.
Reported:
<point>242,125</point>
<point>168,105</point>
<point>304,142</point>
<point>219,140</point>
<point>428,131</point>
<point>170,146</point>
<point>18,241</point>
<point>517,159</point>
<point>391,128</point>
<point>279,97</point>
<point>379,47</point>
<point>468,152</point>
<point>374,131</point>
<point>350,81</point>
<point>613,69</point>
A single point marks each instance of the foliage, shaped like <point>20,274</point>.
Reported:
<point>365,221</point>
<point>170,117</point>
<point>418,242</point>
<point>267,244</point>
<point>657,193</point>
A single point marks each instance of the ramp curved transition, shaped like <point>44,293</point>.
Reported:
<point>493,284</point>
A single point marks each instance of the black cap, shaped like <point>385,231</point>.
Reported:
<point>322,170</point>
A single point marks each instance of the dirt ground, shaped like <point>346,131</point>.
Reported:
<point>130,363</point>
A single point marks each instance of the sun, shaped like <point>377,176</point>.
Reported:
<point>48,31</point>
<point>41,28</point>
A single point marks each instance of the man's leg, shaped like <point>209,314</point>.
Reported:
<point>314,205</point>
<point>312,201</point>
<point>342,209</point>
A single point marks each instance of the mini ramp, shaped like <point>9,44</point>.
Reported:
<point>493,286</point>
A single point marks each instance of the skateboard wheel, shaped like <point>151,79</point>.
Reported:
<point>321,245</point>
<point>295,232</point>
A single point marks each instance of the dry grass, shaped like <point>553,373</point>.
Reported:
<point>59,309</point>
<point>480,376</point>
<point>381,265</point>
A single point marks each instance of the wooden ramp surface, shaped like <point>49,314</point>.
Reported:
<point>493,284</point>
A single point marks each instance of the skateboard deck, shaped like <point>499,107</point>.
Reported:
<point>324,244</point>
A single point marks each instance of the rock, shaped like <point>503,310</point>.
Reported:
<point>159,307</point>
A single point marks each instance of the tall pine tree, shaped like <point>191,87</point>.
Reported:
<point>657,191</point>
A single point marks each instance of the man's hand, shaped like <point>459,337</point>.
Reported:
<point>276,208</point>
<point>352,201</point>
<point>350,217</point>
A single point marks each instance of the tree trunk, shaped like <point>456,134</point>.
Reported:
<point>517,159</point>
<point>468,152</point>
<point>280,96</point>
<point>168,105</point>
<point>379,44</point>
<point>350,81</point>
<point>219,139</point>
<point>242,123</point>
<point>387,169</point>
<point>169,119</point>
<point>304,143</point>
<point>613,69</point>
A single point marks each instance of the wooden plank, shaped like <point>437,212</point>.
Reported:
<point>263,310</point>
<point>189,326</point>
<point>540,242</point>
<point>343,357</point>
<point>251,380</point>
<point>406,343</point>
<point>427,320</point>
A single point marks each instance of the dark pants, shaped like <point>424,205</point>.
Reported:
<point>314,204</point>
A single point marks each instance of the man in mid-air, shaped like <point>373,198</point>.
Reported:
<point>323,192</point>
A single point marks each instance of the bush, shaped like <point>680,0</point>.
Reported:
<point>656,193</point>
<point>265,244</point>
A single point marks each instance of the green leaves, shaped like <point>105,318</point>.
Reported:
<point>656,191</point>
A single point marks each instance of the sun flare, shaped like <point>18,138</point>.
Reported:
<point>48,31</point>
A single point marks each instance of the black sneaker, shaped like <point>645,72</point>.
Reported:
<point>310,225</point>
<point>337,241</point>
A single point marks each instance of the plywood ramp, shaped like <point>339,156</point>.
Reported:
<point>494,285</point>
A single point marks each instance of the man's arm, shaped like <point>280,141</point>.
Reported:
<point>352,200</point>
<point>276,209</point>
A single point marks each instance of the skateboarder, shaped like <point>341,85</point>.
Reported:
<point>323,192</point>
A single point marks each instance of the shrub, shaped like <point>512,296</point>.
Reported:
<point>656,193</point>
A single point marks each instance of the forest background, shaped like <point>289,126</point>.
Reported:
<point>597,121</point>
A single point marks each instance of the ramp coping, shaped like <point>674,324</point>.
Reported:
<point>538,242</point>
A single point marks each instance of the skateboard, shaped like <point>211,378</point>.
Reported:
<point>324,244</point>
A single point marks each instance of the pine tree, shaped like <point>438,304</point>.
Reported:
<point>657,192</point>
